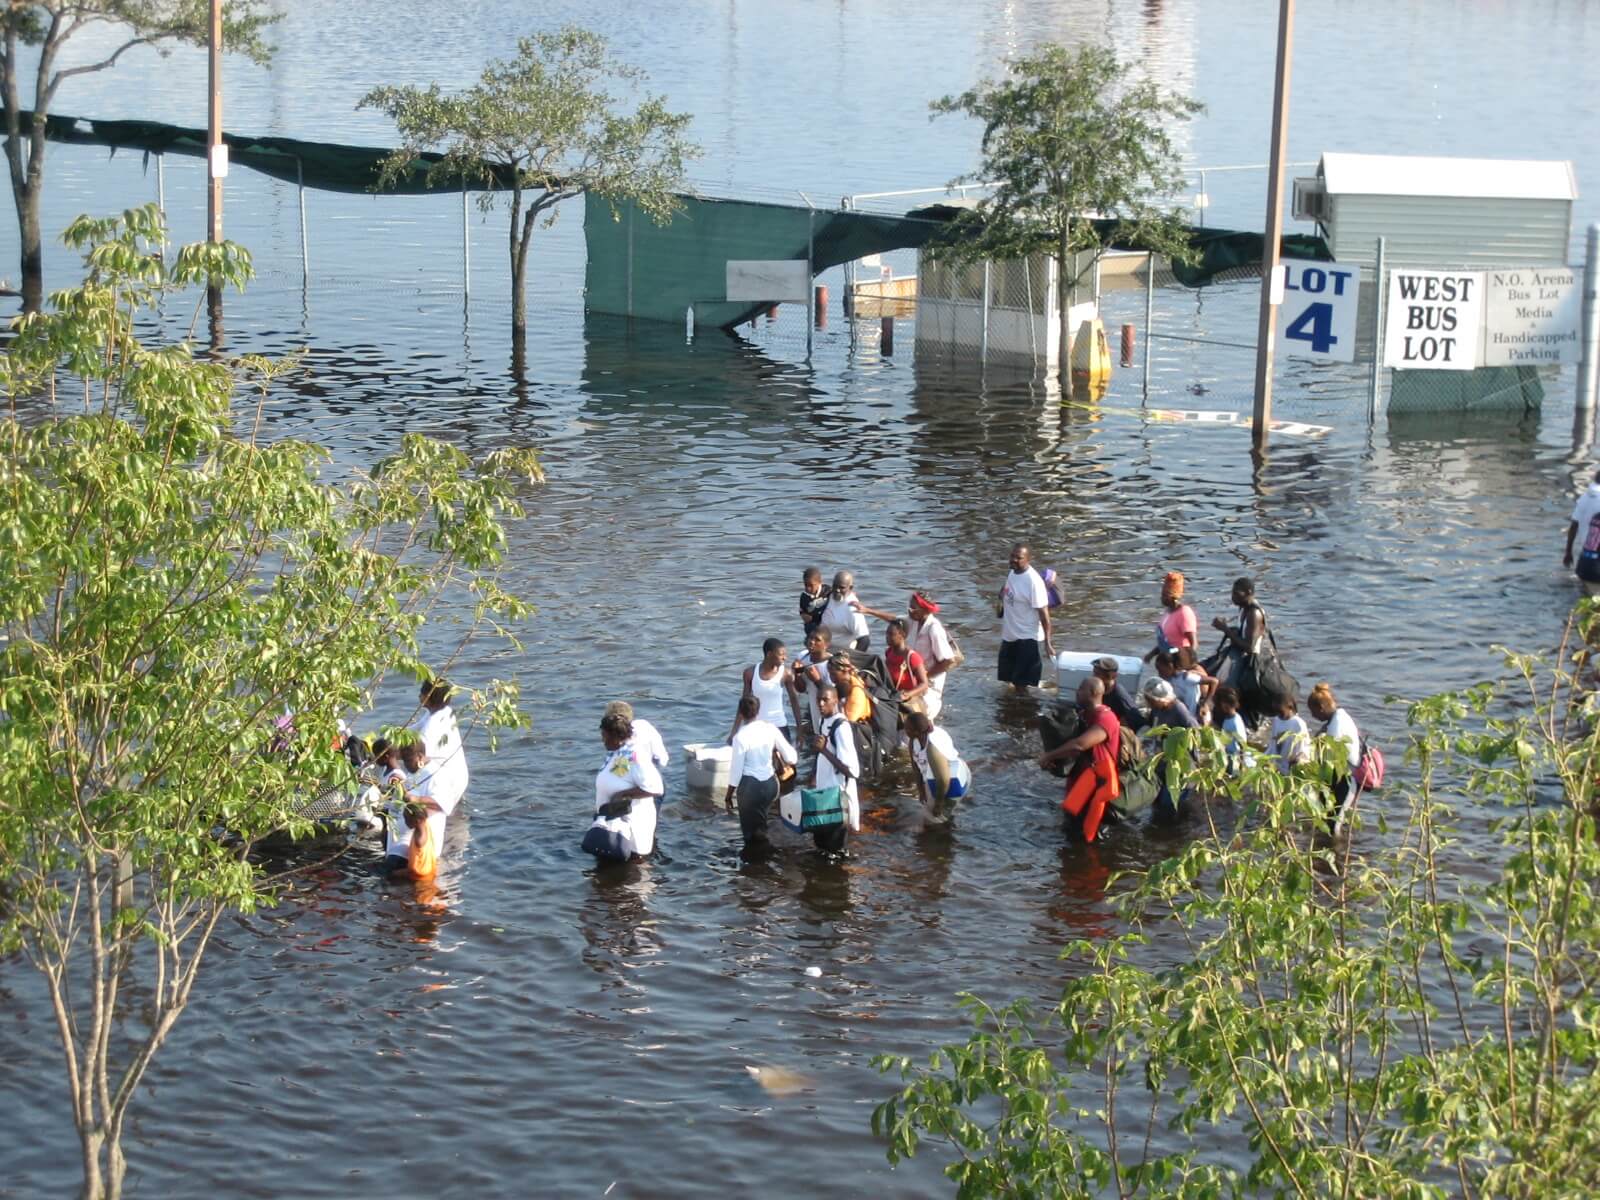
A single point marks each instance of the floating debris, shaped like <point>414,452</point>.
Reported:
<point>780,1081</point>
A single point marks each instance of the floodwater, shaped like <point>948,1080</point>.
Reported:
<point>532,1026</point>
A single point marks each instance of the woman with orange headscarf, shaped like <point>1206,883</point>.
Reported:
<point>1180,627</point>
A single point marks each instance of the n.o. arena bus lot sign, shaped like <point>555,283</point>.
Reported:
<point>1531,318</point>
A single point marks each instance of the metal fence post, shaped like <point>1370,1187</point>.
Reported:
<point>466,251</point>
<point>305,252</point>
<point>849,272</point>
<point>1589,364</point>
<point>983,336</point>
<point>1033,323</point>
<point>1377,335</point>
<point>1149,313</point>
<point>811,290</point>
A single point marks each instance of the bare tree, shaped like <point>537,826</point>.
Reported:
<point>49,25</point>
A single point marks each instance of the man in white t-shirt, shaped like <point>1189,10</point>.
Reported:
<point>441,737</point>
<point>1586,523</point>
<point>1023,607</point>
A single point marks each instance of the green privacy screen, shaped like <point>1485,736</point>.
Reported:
<point>638,268</point>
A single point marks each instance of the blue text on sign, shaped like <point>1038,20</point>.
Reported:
<point>1316,279</point>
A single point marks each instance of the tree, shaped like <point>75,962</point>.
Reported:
<point>544,123</point>
<point>175,582</point>
<point>49,25</point>
<point>1354,1020</point>
<point>1069,138</point>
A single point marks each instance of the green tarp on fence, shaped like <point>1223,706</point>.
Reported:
<point>326,166</point>
<point>636,268</point>
<point>640,269</point>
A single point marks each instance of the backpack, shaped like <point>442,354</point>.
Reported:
<point>1369,770</point>
<point>1588,566</point>
<point>1050,578</point>
<point>1262,679</point>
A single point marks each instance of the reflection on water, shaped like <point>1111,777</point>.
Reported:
<point>599,1023</point>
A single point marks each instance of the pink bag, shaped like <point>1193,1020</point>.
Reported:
<point>1369,771</point>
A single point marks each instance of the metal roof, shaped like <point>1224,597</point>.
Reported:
<point>1408,175</point>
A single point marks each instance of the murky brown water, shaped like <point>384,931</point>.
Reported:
<point>560,1030</point>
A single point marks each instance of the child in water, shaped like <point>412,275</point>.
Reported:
<point>1289,739</point>
<point>1225,713</point>
<point>1193,685</point>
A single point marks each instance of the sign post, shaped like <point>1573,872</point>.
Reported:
<point>1273,235</point>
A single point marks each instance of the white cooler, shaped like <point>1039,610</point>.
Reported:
<point>1072,668</point>
<point>707,767</point>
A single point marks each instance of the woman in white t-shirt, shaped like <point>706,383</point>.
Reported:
<point>753,774</point>
<point>942,774</point>
<point>845,617</point>
<point>626,789</point>
<point>1341,727</point>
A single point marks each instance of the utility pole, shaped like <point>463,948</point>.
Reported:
<point>1273,237</point>
<point>216,155</point>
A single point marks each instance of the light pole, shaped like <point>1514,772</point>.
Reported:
<point>1273,236</point>
<point>216,154</point>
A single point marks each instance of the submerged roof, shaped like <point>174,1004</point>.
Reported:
<point>1410,175</point>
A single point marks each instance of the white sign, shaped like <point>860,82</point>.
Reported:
<point>1531,317</point>
<point>1317,315</point>
<point>753,280</point>
<point>218,157</point>
<point>1435,320</point>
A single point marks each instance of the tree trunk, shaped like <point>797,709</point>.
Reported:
<point>32,243</point>
<point>92,1142</point>
<point>116,1164</point>
<point>519,297</point>
<point>519,260</point>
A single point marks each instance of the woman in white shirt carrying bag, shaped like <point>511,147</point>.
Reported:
<point>1341,728</point>
<point>759,748</point>
<point>626,789</point>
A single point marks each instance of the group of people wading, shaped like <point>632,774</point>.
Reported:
<point>857,709</point>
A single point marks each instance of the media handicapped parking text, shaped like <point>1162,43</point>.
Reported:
<point>1531,317</point>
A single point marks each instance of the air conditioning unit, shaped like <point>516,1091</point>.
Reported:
<point>1310,200</point>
